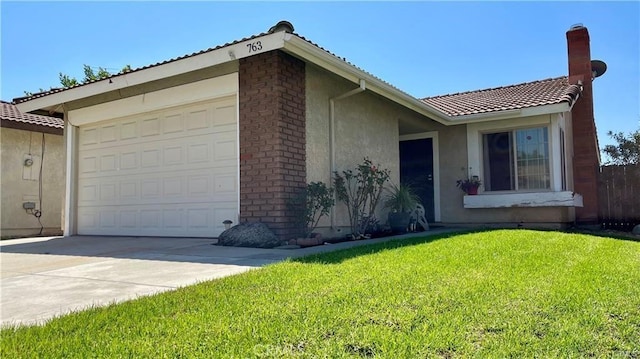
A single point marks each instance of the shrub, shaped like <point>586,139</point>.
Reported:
<point>361,190</point>
<point>313,203</point>
<point>319,200</point>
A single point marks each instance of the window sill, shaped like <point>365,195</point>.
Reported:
<point>531,199</point>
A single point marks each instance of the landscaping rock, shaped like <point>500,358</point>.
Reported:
<point>254,234</point>
<point>636,230</point>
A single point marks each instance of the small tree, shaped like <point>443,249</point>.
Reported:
<point>361,190</point>
<point>626,152</point>
<point>319,200</point>
<point>89,75</point>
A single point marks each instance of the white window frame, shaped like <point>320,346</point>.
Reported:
<point>514,157</point>
<point>555,196</point>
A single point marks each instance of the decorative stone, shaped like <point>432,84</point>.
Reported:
<point>251,234</point>
<point>636,230</point>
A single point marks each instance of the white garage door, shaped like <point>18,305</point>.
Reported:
<point>170,173</point>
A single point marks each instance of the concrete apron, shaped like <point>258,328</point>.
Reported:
<point>42,278</point>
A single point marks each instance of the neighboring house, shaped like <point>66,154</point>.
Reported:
<point>32,180</point>
<point>231,132</point>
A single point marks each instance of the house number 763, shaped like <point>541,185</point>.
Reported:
<point>255,46</point>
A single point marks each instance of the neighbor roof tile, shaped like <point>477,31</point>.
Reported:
<point>11,113</point>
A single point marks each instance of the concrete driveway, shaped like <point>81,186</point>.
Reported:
<point>46,277</point>
<point>42,278</point>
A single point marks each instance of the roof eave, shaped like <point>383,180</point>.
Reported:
<point>515,113</point>
<point>215,57</point>
<point>290,43</point>
<point>27,126</point>
<point>305,50</point>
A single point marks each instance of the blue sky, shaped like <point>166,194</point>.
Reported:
<point>423,48</point>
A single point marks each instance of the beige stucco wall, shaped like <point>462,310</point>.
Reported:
<point>366,125</point>
<point>15,190</point>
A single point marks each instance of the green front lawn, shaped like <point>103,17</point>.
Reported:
<point>505,293</point>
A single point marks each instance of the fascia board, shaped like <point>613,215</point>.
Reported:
<point>309,52</point>
<point>546,110</point>
<point>524,112</point>
<point>219,56</point>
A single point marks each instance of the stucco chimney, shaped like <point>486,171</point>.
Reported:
<point>586,158</point>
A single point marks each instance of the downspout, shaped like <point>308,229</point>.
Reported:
<point>332,136</point>
<point>70,227</point>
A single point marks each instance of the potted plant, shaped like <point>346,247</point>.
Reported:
<point>469,185</point>
<point>402,200</point>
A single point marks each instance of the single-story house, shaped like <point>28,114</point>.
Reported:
<point>32,177</point>
<point>231,132</point>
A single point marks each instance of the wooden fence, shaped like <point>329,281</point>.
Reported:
<point>619,196</point>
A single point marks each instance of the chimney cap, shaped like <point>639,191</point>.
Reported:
<point>598,68</point>
<point>282,26</point>
<point>576,26</point>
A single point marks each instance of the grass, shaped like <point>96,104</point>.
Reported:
<point>505,293</point>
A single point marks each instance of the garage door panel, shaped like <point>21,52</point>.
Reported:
<point>107,219</point>
<point>150,219</point>
<point>216,134</point>
<point>198,119</point>
<point>199,218</point>
<point>186,122</point>
<point>161,156</point>
<point>168,173</point>
<point>108,134</point>
<point>128,219</point>
<point>128,130</point>
<point>129,160</point>
<point>224,149</point>
<point>88,136</point>
<point>88,164</point>
<point>173,124</point>
<point>191,186</point>
<point>225,185</point>
<point>109,163</point>
<point>223,115</point>
<point>173,220</point>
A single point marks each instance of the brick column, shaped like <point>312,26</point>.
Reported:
<point>272,139</point>
<point>586,159</point>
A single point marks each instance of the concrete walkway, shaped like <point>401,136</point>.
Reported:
<point>42,278</point>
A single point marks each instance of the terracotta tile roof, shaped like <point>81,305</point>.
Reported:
<point>11,113</point>
<point>529,94</point>
<point>56,90</point>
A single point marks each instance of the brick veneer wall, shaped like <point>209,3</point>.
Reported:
<point>585,142</point>
<point>272,139</point>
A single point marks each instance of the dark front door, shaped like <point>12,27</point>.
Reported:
<point>416,170</point>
